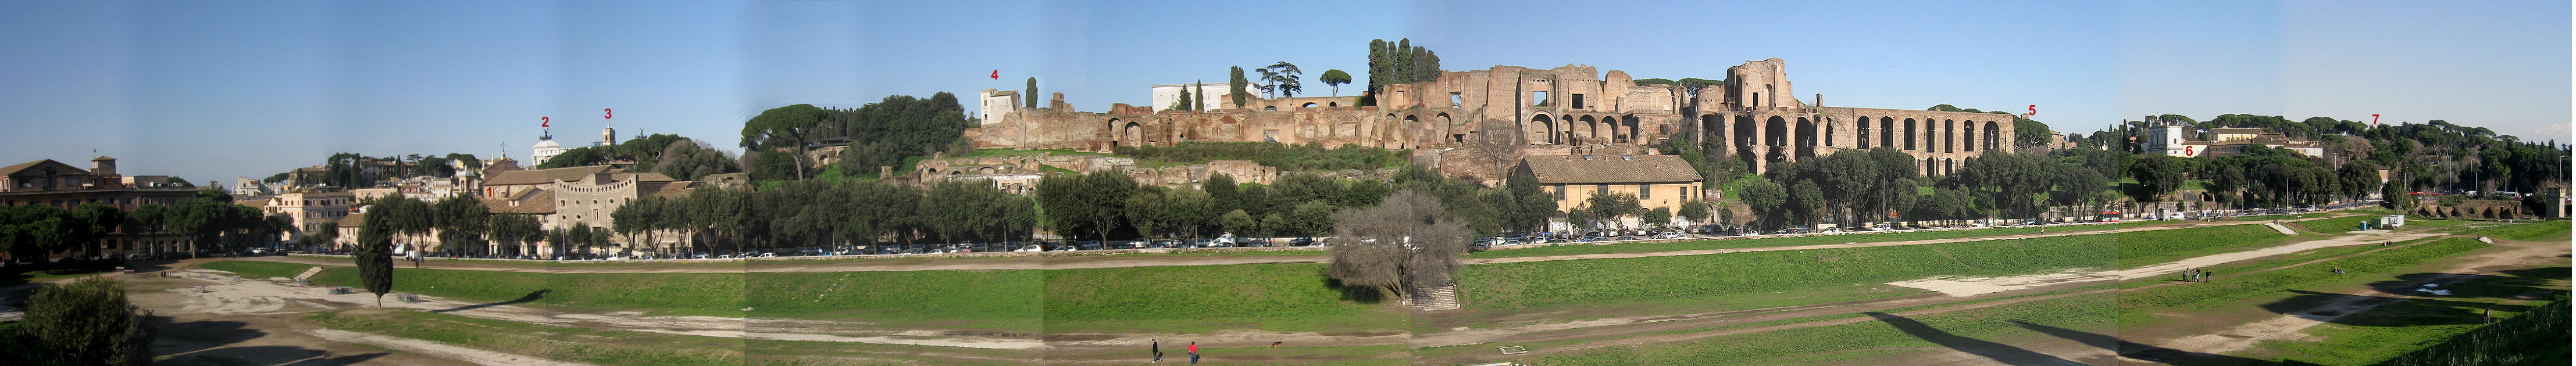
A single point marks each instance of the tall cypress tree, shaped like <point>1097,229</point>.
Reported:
<point>1237,86</point>
<point>1030,98</point>
<point>1202,101</point>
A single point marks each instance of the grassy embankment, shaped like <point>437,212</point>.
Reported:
<point>1577,249</point>
<point>1280,297</point>
<point>2550,229</point>
<point>1752,280</point>
<point>2146,248</point>
<point>616,347</point>
<point>2089,317</point>
<point>259,269</point>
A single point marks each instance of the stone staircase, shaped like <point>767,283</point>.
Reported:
<point>1444,297</point>
<point>308,273</point>
<point>2284,229</point>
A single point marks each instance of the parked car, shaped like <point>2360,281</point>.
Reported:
<point>1301,242</point>
<point>1674,235</point>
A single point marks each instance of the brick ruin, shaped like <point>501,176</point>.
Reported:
<point>1477,124</point>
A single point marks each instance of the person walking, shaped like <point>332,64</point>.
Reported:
<point>1158,350</point>
<point>1194,353</point>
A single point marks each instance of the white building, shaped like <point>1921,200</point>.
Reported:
<point>1167,95</point>
<point>995,104</point>
<point>546,149</point>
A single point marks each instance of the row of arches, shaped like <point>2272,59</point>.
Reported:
<point>1582,129</point>
<point>1930,135</point>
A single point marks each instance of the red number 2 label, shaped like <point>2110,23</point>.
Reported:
<point>545,121</point>
<point>609,113</point>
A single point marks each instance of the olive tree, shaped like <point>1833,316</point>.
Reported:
<point>1403,240</point>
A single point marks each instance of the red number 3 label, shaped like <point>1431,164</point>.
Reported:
<point>609,113</point>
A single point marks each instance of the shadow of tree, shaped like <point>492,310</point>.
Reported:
<point>1361,294</point>
<point>532,296</point>
<point>175,338</point>
<point>2135,350</point>
<point>2425,308</point>
<point>1999,352</point>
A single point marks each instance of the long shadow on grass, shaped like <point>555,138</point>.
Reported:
<point>302,356</point>
<point>2392,307</point>
<point>1361,294</point>
<point>532,296</point>
<point>2134,349</point>
<point>175,338</point>
<point>2002,353</point>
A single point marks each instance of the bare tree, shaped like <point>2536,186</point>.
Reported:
<point>1402,240</point>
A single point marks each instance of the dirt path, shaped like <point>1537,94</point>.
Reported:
<point>441,350</point>
<point>1953,290</point>
<point>1083,262</point>
<point>2292,326</point>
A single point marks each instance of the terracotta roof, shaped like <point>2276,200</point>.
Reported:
<point>532,202</point>
<point>543,176</point>
<point>354,219</point>
<point>1578,169</point>
<point>14,169</point>
<point>668,189</point>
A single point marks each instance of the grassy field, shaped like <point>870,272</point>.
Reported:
<point>1526,285</point>
<point>2369,337</point>
<point>2239,290</point>
<point>2077,316</point>
<point>259,269</point>
<point>955,300</point>
<point>615,347</point>
<point>2550,229</point>
<point>1277,297</point>
<point>2329,226</point>
<point>2145,248</point>
<point>708,294</point>
<point>2507,342</point>
<point>1766,242</point>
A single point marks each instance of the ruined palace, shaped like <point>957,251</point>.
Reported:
<point>1479,123</point>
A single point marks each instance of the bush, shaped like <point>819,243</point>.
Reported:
<point>85,322</point>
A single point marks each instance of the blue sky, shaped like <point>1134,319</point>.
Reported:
<point>215,91</point>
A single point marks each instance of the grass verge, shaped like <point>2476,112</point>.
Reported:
<point>1767,242</point>
<point>701,294</point>
<point>617,347</point>
<point>259,269</point>
<point>1277,297</point>
<point>1527,285</point>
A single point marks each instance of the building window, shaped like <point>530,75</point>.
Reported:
<point>1600,189</point>
<point>1538,98</point>
<point>1456,100</point>
<point>1560,192</point>
<point>1645,191</point>
<point>1577,102</point>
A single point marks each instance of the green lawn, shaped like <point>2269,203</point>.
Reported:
<point>2525,231</point>
<point>1005,300</point>
<point>1613,282</point>
<point>2074,316</point>
<point>2145,248</point>
<point>2366,338</point>
<point>616,347</point>
<point>1576,249</point>
<point>1277,297</point>
<point>2237,291</point>
<point>708,294</point>
<point>259,269</point>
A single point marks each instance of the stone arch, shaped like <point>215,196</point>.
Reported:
<point>1585,130</point>
<point>1775,136</point>
<point>1909,141</point>
<point>1308,105</point>
<point>1948,130</point>
<point>1713,127</point>
<point>985,170</point>
<point>1829,133</point>
<point>1994,136</point>
<point>1747,137</point>
<point>1542,130</point>
<point>1970,131</point>
<point>1886,131</point>
<point>1269,108</point>
<point>1804,138</point>
<point>1864,132</point>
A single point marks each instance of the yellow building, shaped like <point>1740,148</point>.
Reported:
<point>1658,181</point>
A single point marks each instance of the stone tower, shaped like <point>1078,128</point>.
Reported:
<point>608,135</point>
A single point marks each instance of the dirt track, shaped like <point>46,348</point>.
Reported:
<point>1080,262</point>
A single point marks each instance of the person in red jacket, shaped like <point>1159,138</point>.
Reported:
<point>1194,353</point>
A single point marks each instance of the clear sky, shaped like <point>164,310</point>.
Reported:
<point>215,91</point>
